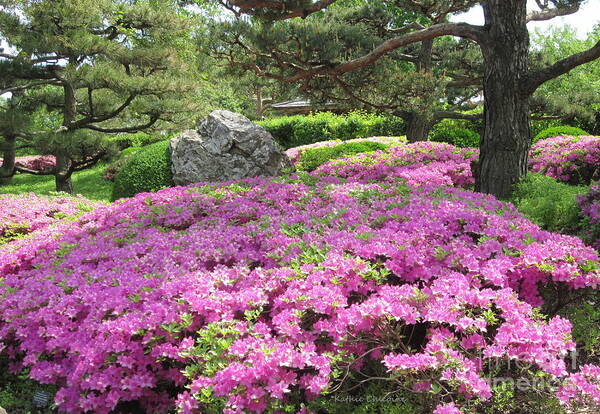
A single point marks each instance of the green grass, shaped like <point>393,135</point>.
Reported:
<point>88,183</point>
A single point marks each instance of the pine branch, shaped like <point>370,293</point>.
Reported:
<point>33,172</point>
<point>152,121</point>
<point>28,86</point>
<point>95,119</point>
<point>331,69</point>
<point>439,115</point>
<point>548,14</point>
<point>79,166</point>
<point>260,7</point>
<point>535,79</point>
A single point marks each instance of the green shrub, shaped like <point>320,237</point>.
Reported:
<point>148,170</point>
<point>313,158</point>
<point>111,171</point>
<point>137,139</point>
<point>456,132</point>
<point>563,130</point>
<point>298,130</point>
<point>539,126</point>
<point>548,203</point>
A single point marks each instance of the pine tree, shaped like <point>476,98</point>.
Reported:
<point>418,83</point>
<point>508,83</point>
<point>106,66</point>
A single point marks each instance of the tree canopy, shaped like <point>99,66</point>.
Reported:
<point>106,66</point>
<point>287,34</point>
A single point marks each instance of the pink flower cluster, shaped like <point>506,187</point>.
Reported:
<point>295,153</point>
<point>418,164</point>
<point>36,162</point>
<point>573,160</point>
<point>590,208</point>
<point>257,293</point>
<point>27,213</point>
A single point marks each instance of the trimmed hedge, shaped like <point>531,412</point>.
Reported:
<point>557,131</point>
<point>548,203</point>
<point>137,139</point>
<point>297,130</point>
<point>313,158</point>
<point>148,170</point>
<point>111,171</point>
<point>459,137</point>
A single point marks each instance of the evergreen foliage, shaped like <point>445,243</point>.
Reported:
<point>104,66</point>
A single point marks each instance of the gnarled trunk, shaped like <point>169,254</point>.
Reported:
<point>62,170</point>
<point>419,124</point>
<point>418,127</point>
<point>7,170</point>
<point>506,140</point>
<point>62,174</point>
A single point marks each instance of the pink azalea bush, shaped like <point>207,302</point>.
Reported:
<point>573,160</point>
<point>36,162</point>
<point>418,164</point>
<point>295,153</point>
<point>590,209</point>
<point>26,213</point>
<point>268,295</point>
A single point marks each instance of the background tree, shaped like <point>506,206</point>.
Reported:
<point>508,83</point>
<point>423,83</point>
<point>107,66</point>
<point>575,94</point>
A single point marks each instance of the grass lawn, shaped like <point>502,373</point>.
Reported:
<point>88,183</point>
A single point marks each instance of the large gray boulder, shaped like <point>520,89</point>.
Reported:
<point>226,146</point>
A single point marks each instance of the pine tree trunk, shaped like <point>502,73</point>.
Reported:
<point>7,170</point>
<point>62,170</point>
<point>418,124</point>
<point>418,127</point>
<point>506,140</point>
<point>62,174</point>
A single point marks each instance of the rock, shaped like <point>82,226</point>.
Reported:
<point>2,410</point>
<point>226,146</point>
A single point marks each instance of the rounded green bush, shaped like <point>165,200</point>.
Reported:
<point>148,170</point>
<point>136,139</point>
<point>459,137</point>
<point>557,131</point>
<point>298,130</point>
<point>313,158</point>
<point>548,203</point>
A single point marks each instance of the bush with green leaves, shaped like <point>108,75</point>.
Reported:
<point>313,158</point>
<point>148,170</point>
<point>137,139</point>
<point>297,130</point>
<point>459,133</point>
<point>548,203</point>
<point>557,131</point>
<point>111,171</point>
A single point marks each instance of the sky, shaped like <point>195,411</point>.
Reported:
<point>584,20</point>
